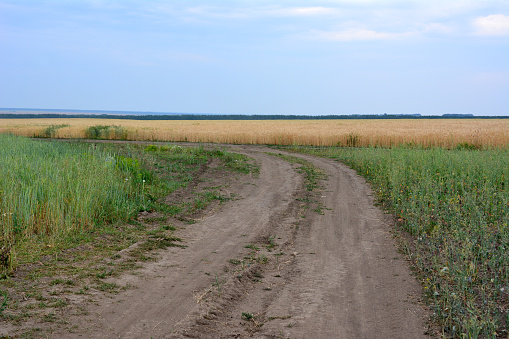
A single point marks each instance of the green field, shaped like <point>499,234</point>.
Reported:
<point>451,208</point>
<point>49,192</point>
<point>67,206</point>
<point>455,206</point>
<point>53,192</point>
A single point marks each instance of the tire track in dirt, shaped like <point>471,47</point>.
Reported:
<point>340,275</point>
<point>356,284</point>
<point>345,278</point>
<point>165,292</point>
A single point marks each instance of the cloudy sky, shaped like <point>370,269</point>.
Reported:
<point>257,56</point>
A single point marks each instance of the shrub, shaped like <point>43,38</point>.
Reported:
<point>106,132</point>
<point>51,130</point>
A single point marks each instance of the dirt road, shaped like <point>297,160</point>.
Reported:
<point>277,263</point>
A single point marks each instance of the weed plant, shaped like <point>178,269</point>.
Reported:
<point>455,203</point>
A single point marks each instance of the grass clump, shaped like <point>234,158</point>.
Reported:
<point>312,174</point>
<point>236,162</point>
<point>455,203</point>
<point>174,167</point>
<point>247,316</point>
<point>138,173</point>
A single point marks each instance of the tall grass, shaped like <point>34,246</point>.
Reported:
<point>50,190</point>
<point>456,205</point>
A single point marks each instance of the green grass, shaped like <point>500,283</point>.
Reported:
<point>175,167</point>
<point>54,193</point>
<point>455,204</point>
<point>50,191</point>
<point>312,174</point>
<point>83,209</point>
<point>312,177</point>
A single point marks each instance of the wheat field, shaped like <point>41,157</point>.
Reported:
<point>448,133</point>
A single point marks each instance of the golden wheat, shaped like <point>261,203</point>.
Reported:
<point>491,133</point>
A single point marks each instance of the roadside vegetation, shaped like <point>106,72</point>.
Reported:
<point>50,192</point>
<point>455,206</point>
<point>68,208</point>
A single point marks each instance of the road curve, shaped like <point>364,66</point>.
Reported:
<point>340,275</point>
<point>356,284</point>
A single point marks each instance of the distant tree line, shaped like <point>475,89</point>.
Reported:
<point>241,117</point>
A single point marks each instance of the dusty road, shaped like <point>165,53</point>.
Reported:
<point>332,272</point>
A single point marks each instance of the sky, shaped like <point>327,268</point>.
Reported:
<point>428,57</point>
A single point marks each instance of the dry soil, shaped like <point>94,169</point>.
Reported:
<point>279,262</point>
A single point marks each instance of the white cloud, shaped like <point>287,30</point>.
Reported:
<point>363,34</point>
<point>437,28</point>
<point>302,11</point>
<point>343,20</point>
<point>260,12</point>
<point>492,25</point>
<point>355,34</point>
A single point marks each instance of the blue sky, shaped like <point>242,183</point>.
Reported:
<point>257,57</point>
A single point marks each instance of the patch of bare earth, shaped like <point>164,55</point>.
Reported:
<point>269,264</point>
